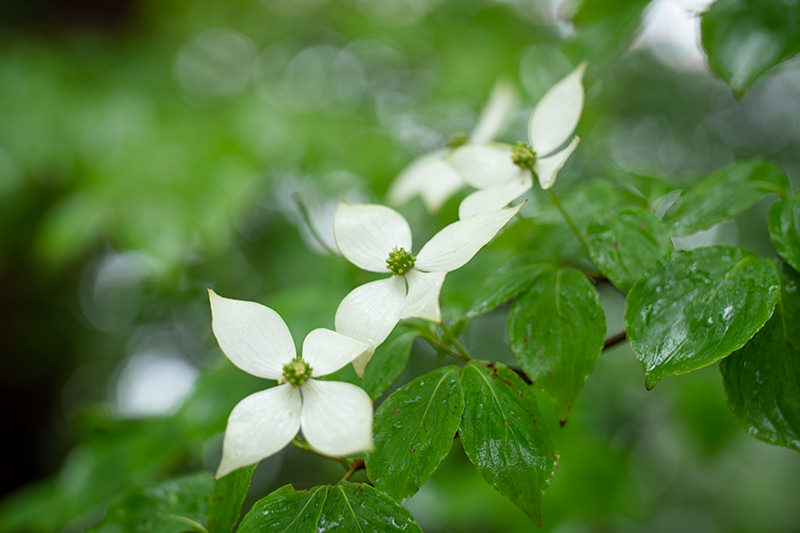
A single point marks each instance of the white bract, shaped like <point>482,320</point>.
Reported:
<point>378,239</point>
<point>335,417</point>
<point>431,176</point>
<point>489,167</point>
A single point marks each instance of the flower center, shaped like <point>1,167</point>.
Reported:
<point>296,372</point>
<point>400,261</point>
<point>523,155</point>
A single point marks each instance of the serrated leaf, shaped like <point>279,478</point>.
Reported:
<point>503,286</point>
<point>762,380</point>
<point>387,363</point>
<point>504,436</point>
<point>696,307</point>
<point>174,506</point>
<point>226,501</point>
<point>286,510</point>
<point>745,38</point>
<point>625,245</point>
<point>359,507</point>
<point>784,229</point>
<point>556,330</point>
<point>724,194</point>
<point>414,429</point>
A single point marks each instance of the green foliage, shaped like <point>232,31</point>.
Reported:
<point>697,307</point>
<point>746,38</point>
<point>762,379</point>
<point>724,194</point>
<point>387,363</point>
<point>342,507</point>
<point>226,501</point>
<point>784,229</point>
<point>626,244</point>
<point>556,329</point>
<point>414,429</point>
<point>502,286</point>
<point>504,435</point>
<point>174,506</point>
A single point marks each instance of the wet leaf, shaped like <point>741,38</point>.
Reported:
<point>504,436</point>
<point>762,380</point>
<point>724,194</point>
<point>556,330</point>
<point>359,507</point>
<point>503,286</point>
<point>286,510</point>
<point>697,307</point>
<point>625,245</point>
<point>414,429</point>
<point>784,229</point>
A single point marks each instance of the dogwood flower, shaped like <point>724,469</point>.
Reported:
<point>378,239</point>
<point>335,417</point>
<point>431,176</point>
<point>501,172</point>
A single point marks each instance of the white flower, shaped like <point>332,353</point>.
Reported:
<point>335,417</point>
<point>489,167</point>
<point>378,239</point>
<point>431,176</point>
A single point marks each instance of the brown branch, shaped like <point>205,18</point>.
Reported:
<point>615,339</point>
<point>357,465</point>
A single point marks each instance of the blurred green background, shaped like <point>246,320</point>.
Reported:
<point>149,150</point>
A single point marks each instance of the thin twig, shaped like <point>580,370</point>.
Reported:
<point>615,339</point>
<point>357,465</point>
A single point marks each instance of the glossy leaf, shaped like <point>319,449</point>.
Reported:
<point>625,245</point>
<point>414,429</point>
<point>286,510</point>
<point>504,436</point>
<point>503,286</point>
<point>746,38</point>
<point>556,330</point>
<point>784,229</point>
<point>359,507</point>
<point>697,307</point>
<point>762,380</point>
<point>387,363</point>
<point>226,501</point>
<point>724,194</point>
<point>174,506</point>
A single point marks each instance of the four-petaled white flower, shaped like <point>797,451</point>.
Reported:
<point>431,176</point>
<point>378,239</point>
<point>335,417</point>
<point>489,167</point>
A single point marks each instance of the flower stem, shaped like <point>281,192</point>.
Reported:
<point>449,336</point>
<point>301,206</point>
<point>569,220</point>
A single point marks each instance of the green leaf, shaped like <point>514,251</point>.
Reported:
<point>503,286</point>
<point>414,429</point>
<point>361,508</point>
<point>504,436</point>
<point>286,510</point>
<point>342,507</point>
<point>697,307</point>
<point>605,28</point>
<point>387,363</point>
<point>556,331</point>
<point>746,38</point>
<point>625,245</point>
<point>784,229</point>
<point>724,194</point>
<point>762,380</point>
<point>226,502</point>
<point>174,506</point>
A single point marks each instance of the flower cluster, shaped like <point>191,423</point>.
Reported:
<point>334,417</point>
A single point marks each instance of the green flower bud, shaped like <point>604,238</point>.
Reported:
<point>400,261</point>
